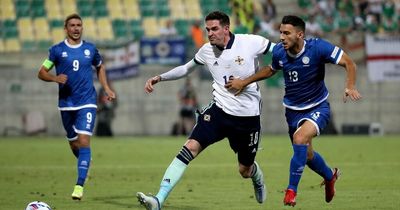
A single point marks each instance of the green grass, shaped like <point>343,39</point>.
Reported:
<point>40,168</point>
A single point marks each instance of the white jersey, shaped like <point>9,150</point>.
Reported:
<point>238,60</point>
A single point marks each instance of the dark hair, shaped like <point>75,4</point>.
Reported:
<point>72,16</point>
<point>218,15</point>
<point>294,21</point>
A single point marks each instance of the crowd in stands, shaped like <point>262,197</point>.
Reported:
<point>324,17</point>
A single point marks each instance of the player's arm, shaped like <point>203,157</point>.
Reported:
<point>238,85</point>
<point>48,77</point>
<point>101,75</point>
<point>173,74</point>
<point>350,89</point>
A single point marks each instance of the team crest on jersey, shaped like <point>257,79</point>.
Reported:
<point>64,54</point>
<point>306,60</point>
<point>239,60</point>
<point>87,53</point>
<point>207,117</point>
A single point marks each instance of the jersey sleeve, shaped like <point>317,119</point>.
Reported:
<point>261,44</point>
<point>97,60</point>
<point>275,60</point>
<point>329,52</point>
<point>200,57</point>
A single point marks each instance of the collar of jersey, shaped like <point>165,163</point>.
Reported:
<point>230,43</point>
<point>300,53</point>
<point>73,46</point>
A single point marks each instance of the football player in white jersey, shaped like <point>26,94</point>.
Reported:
<point>236,118</point>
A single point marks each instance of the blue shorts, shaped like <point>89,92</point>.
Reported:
<point>318,115</point>
<point>243,133</point>
<point>78,121</point>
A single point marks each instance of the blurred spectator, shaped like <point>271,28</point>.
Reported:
<point>243,11</point>
<point>327,24</point>
<point>327,7</point>
<point>168,30</point>
<point>388,9</point>
<point>105,114</point>
<point>389,26</point>
<point>197,34</point>
<point>268,27</point>
<point>313,28</point>
<point>343,26</point>
<point>269,9</point>
<point>188,101</point>
<point>371,24</point>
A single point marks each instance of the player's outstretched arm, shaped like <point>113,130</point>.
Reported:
<point>102,76</point>
<point>237,85</point>
<point>350,89</point>
<point>46,76</point>
<point>149,86</point>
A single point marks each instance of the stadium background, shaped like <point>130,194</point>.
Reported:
<point>29,27</point>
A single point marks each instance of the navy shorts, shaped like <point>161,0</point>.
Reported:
<point>318,115</point>
<point>78,121</point>
<point>243,133</point>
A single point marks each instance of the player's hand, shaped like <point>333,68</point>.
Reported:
<point>61,78</point>
<point>148,87</point>
<point>353,94</point>
<point>236,85</point>
<point>110,94</point>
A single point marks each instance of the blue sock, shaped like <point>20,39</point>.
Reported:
<point>174,173</point>
<point>297,164</point>
<point>83,164</point>
<point>318,165</point>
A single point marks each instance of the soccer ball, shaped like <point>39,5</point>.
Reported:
<point>38,205</point>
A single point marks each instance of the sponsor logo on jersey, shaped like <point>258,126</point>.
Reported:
<point>64,54</point>
<point>335,51</point>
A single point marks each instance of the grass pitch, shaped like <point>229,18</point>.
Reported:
<point>43,168</point>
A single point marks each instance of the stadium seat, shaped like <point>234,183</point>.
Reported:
<point>178,9</point>
<point>193,9</point>
<point>89,29</point>
<point>10,29</point>
<point>53,9</point>
<point>115,9</point>
<point>100,8</point>
<point>57,35</point>
<point>120,28</point>
<point>132,11</point>
<point>38,8</point>
<point>12,45</point>
<point>68,7</point>
<point>41,27</point>
<point>7,10</point>
<point>22,8</point>
<point>151,27</point>
<point>105,29</point>
<point>25,29</point>
<point>136,29</point>
<point>85,8</point>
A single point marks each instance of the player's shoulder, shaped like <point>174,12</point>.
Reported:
<point>278,50</point>
<point>316,42</point>
<point>249,37</point>
<point>88,44</point>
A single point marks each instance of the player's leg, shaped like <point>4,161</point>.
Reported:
<point>68,119</point>
<point>244,139</point>
<point>301,138</point>
<point>203,134</point>
<point>83,126</point>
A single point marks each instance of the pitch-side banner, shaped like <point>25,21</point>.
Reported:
<point>162,51</point>
<point>122,62</point>
<point>383,58</point>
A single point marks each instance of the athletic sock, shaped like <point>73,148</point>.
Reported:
<point>83,164</point>
<point>297,164</point>
<point>256,173</point>
<point>174,173</point>
<point>318,165</point>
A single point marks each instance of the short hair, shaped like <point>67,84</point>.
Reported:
<point>71,16</point>
<point>218,15</point>
<point>294,21</point>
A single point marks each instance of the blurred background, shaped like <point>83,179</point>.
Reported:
<point>143,38</point>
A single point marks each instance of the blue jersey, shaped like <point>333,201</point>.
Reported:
<point>76,61</point>
<point>304,73</point>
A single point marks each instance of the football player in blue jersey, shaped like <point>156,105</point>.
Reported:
<point>307,109</point>
<point>74,60</point>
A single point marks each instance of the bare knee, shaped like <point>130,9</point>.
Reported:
<point>245,171</point>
